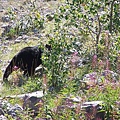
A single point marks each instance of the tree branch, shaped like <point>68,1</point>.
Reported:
<point>91,31</point>
<point>98,33</point>
<point>111,15</point>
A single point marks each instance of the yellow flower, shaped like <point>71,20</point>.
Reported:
<point>37,14</point>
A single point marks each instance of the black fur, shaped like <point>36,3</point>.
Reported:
<point>27,60</point>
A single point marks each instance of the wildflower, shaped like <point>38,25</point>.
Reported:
<point>69,103</point>
<point>74,60</point>
<point>118,63</point>
<point>75,53</point>
<point>15,68</point>
<point>94,61</point>
<point>78,109</point>
<point>107,64</point>
<point>44,83</point>
<point>93,76</point>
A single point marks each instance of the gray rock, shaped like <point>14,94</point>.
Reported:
<point>2,117</point>
<point>18,40</point>
<point>7,109</point>
<point>22,38</point>
<point>5,105</point>
<point>14,110</point>
<point>6,18</point>
<point>1,111</point>
<point>37,94</point>
<point>93,109</point>
<point>97,77</point>
<point>6,29</point>
<point>33,104</point>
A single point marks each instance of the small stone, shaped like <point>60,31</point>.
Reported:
<point>2,117</point>
<point>17,41</point>
<point>6,18</point>
<point>93,108</point>
<point>14,110</point>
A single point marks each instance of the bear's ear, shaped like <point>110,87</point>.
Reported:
<point>48,47</point>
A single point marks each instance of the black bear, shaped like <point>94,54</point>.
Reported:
<point>27,60</point>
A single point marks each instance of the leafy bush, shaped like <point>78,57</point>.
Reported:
<point>90,24</point>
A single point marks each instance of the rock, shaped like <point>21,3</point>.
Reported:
<point>2,117</point>
<point>37,94</point>
<point>1,10</point>
<point>94,78</point>
<point>6,29</point>
<point>1,111</point>
<point>0,61</point>
<point>50,17</point>
<point>22,38</point>
<point>17,40</point>
<point>39,69</point>
<point>33,104</point>
<point>6,18</point>
<point>78,44</point>
<point>31,101</point>
<point>7,109</point>
<point>14,110</point>
<point>5,106</point>
<point>71,102</point>
<point>110,75</point>
<point>92,110</point>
